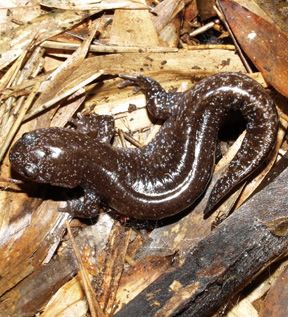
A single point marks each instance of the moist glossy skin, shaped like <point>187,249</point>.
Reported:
<point>166,176</point>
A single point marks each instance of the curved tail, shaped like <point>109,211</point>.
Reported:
<point>262,125</point>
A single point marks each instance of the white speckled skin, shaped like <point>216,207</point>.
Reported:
<point>168,174</point>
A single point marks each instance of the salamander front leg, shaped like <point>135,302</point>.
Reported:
<point>87,206</point>
<point>160,104</point>
<point>99,127</point>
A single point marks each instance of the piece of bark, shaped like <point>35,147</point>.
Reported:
<point>68,301</point>
<point>136,278</point>
<point>112,268</point>
<point>32,293</point>
<point>24,253</point>
<point>223,263</point>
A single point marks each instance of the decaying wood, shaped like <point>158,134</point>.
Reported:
<point>67,301</point>
<point>33,243</point>
<point>113,267</point>
<point>29,295</point>
<point>244,244</point>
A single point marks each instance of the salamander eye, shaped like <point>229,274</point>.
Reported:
<point>28,137</point>
<point>30,170</point>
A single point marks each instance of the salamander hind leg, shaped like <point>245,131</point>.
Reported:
<point>99,127</point>
<point>160,104</point>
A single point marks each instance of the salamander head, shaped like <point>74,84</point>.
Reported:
<point>48,156</point>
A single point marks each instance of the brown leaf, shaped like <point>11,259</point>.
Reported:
<point>262,41</point>
<point>275,304</point>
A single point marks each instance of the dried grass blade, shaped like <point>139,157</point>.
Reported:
<point>18,121</point>
<point>98,5</point>
<point>11,74</point>
<point>104,48</point>
<point>57,87</point>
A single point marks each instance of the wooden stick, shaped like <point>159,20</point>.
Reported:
<point>221,16</point>
<point>94,307</point>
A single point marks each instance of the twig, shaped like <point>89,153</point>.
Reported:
<point>204,28</point>
<point>221,16</point>
<point>229,47</point>
<point>107,48</point>
<point>121,137</point>
<point>132,140</point>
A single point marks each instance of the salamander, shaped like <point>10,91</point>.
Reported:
<point>168,174</point>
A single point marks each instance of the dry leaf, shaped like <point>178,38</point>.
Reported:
<point>123,34</point>
<point>38,30</point>
<point>262,41</point>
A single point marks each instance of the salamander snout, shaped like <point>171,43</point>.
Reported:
<point>21,157</point>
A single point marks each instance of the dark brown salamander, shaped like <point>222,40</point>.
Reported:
<point>166,176</point>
